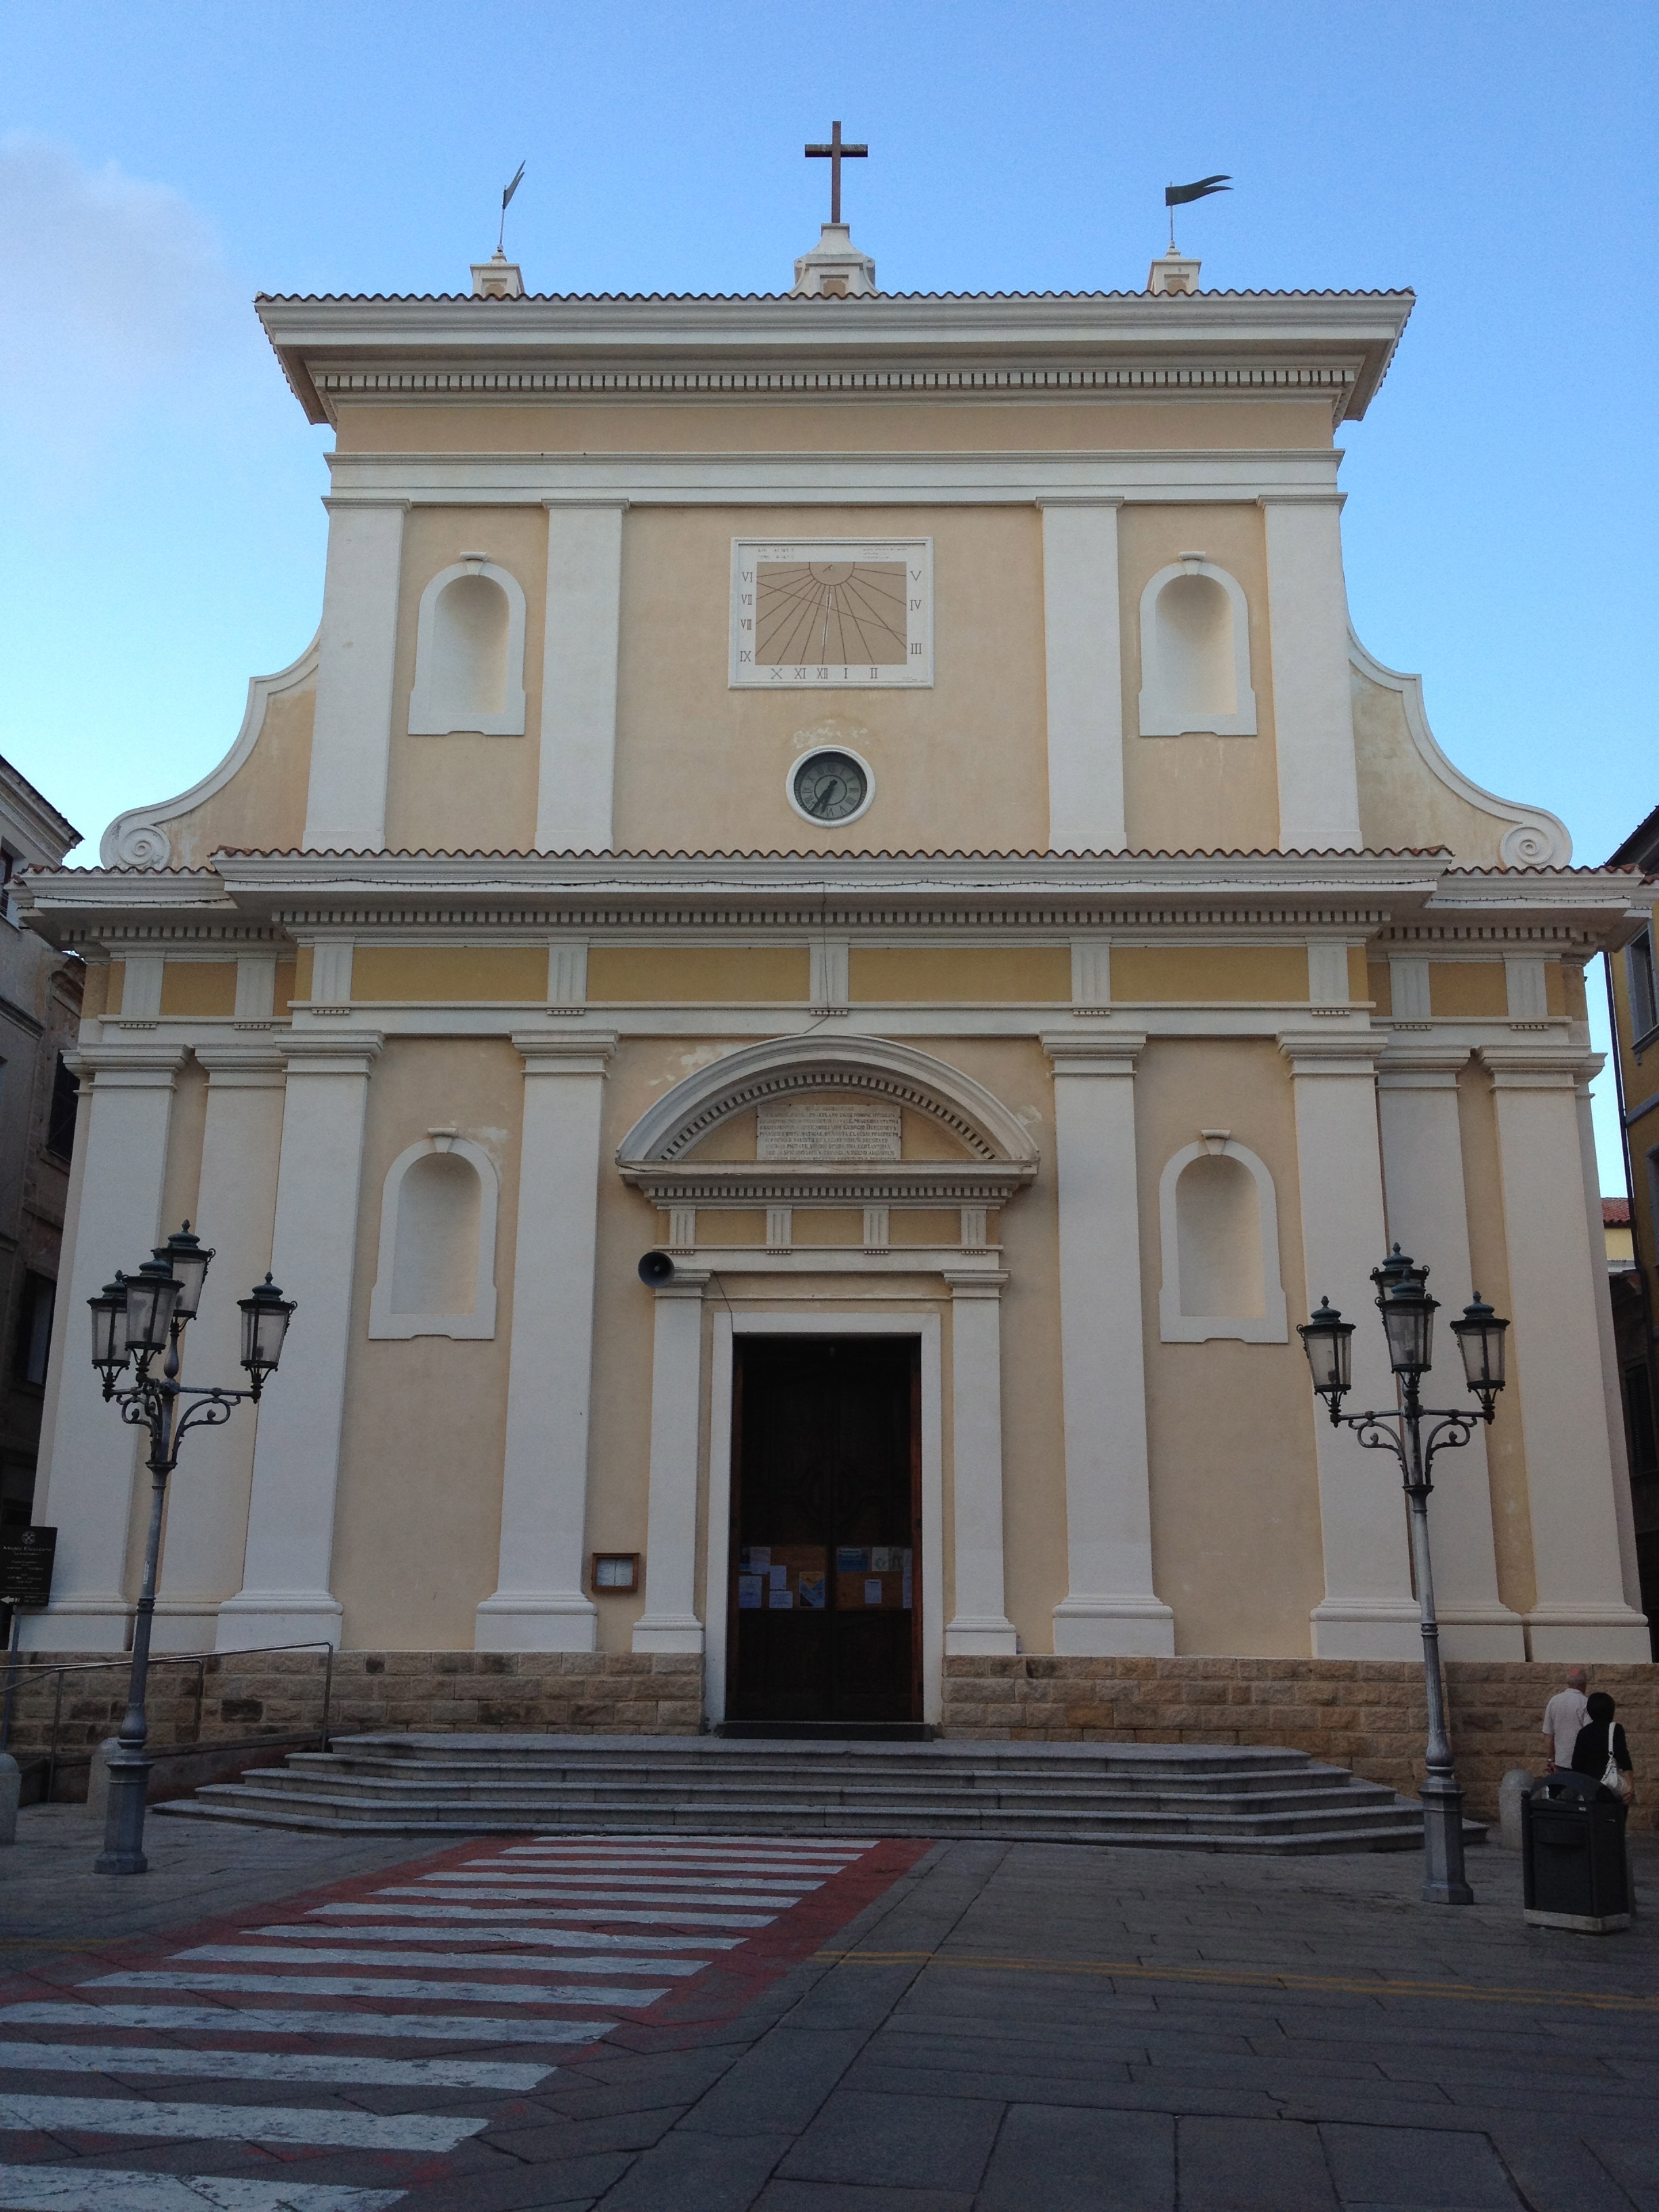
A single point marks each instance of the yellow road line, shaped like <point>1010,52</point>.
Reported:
<point>1264,1978</point>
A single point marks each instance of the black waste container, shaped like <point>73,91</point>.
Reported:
<point>1572,1853</point>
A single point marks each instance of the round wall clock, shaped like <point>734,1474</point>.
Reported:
<point>830,787</point>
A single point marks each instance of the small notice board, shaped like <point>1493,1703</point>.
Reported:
<point>25,1557</point>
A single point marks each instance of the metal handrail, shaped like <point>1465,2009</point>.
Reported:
<point>196,1659</point>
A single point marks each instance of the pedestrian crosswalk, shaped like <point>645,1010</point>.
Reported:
<point>630,1921</point>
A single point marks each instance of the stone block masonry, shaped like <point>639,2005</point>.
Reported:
<point>1367,1715</point>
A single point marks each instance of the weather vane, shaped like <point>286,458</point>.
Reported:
<point>1177,196</point>
<point>501,235</point>
<point>835,153</point>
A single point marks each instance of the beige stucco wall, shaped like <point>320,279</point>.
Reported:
<point>719,423</point>
<point>1235,1493</point>
<point>467,792</point>
<point>1197,793</point>
<point>417,1514</point>
<point>1402,803</point>
<point>263,807</point>
<point>960,766</point>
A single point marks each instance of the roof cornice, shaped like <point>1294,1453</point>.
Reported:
<point>1338,342</point>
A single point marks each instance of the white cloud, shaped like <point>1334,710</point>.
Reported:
<point>116,288</point>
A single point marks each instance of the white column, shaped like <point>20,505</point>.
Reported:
<point>670,1621</point>
<point>87,1456</point>
<point>1428,1218</point>
<point>285,1596</point>
<point>579,677</point>
<point>1084,656</point>
<point>979,1623</point>
<point>235,1208</point>
<point>351,736</point>
<point>1557,1280</point>
<point>1111,1607</point>
<point>1368,1610</point>
<point>538,1604</point>
<point>1313,705</point>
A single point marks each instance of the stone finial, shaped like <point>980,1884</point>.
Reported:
<point>1173,273</point>
<point>498,278</point>
<point>835,268</point>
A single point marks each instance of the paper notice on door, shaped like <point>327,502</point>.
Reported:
<point>779,1601</point>
<point>749,1593</point>
<point>906,1600</point>
<point>811,1591</point>
<point>779,1578</point>
<point>757,1559</point>
<point>872,1590</point>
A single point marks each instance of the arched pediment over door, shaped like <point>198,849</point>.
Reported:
<point>853,1154</point>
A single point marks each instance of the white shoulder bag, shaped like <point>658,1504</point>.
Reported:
<point>1611,1776</point>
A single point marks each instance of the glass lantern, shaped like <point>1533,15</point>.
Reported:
<point>1408,1312</point>
<point>265,1316</point>
<point>1480,1335</point>
<point>152,1298</point>
<point>109,1331</point>
<point>1327,1340</point>
<point>188,1260</point>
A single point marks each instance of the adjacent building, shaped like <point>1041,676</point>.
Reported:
<point>870,805</point>
<point>39,1021</point>
<point>1633,1004</point>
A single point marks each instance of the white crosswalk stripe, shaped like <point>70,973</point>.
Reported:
<point>298,2019</point>
<point>511,1939</point>
<point>627,1915</point>
<point>280,2123</point>
<point>437,1962</point>
<point>366,1985</point>
<point>119,2059</point>
<point>92,2189</point>
<point>527,1910</point>
<point>516,1915</point>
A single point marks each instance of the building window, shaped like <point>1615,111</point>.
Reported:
<point>33,1343</point>
<point>60,1115</point>
<point>1638,1415</point>
<point>1638,971</point>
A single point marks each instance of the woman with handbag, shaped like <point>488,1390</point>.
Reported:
<point>1602,1750</point>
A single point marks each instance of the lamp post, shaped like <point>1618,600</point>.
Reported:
<point>138,1317</point>
<point>1408,1312</point>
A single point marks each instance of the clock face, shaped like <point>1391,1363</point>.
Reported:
<point>831,612</point>
<point>830,787</point>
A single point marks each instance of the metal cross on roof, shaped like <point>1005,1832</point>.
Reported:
<point>835,153</point>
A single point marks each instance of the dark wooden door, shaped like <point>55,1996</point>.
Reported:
<point>826,1537</point>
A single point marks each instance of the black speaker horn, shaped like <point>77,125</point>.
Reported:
<point>656,1268</point>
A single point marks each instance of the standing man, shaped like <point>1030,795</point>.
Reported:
<point>1564,1717</point>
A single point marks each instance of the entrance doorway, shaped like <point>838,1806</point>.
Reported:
<point>826,1531</point>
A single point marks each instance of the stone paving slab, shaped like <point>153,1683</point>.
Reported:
<point>1011,2028</point>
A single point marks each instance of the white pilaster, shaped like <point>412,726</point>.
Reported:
<point>236,1205</point>
<point>1111,1606</point>
<point>579,677</point>
<point>670,1621</point>
<point>979,1624</point>
<point>86,1454</point>
<point>539,1604</point>
<point>1368,1610</point>
<point>1428,1218</point>
<point>352,737</point>
<point>1083,658</point>
<point>285,1596</point>
<point>1313,706</point>
<point>1558,1282</point>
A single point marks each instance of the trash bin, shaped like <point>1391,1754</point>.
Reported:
<point>1572,1846</point>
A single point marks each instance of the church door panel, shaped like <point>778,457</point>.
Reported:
<point>826,1530</point>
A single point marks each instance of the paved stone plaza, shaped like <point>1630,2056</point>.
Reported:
<point>966,2027</point>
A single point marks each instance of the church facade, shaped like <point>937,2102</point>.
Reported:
<point>871,805</point>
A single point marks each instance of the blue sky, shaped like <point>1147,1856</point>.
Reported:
<point>162,535</point>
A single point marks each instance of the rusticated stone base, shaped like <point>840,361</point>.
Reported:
<point>243,1696</point>
<point>1368,1715</point>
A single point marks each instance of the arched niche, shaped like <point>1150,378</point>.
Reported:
<point>437,1258</point>
<point>469,653</point>
<point>1195,654</point>
<point>1218,1228</point>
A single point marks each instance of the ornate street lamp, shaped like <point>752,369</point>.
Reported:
<point>135,1318</point>
<point>1408,1312</point>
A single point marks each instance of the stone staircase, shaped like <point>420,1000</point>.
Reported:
<point>1162,1796</point>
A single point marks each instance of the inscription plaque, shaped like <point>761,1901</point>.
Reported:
<point>826,1129</point>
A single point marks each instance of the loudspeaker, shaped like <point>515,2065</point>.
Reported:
<point>656,1268</point>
